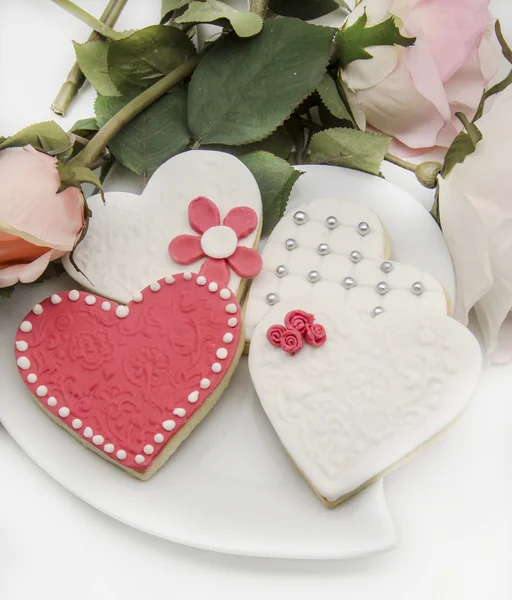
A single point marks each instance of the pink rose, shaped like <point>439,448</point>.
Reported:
<point>274,334</point>
<point>412,94</point>
<point>37,224</point>
<point>291,341</point>
<point>299,320</point>
<point>315,335</point>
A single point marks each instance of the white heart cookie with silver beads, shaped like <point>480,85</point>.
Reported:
<point>338,250</point>
<point>351,409</point>
<point>127,243</point>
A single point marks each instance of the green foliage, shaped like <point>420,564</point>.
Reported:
<point>85,128</point>
<point>139,60</point>
<point>330,97</point>
<point>278,143</point>
<point>354,40</point>
<point>168,6</point>
<point>463,145</point>
<point>350,148</point>
<point>244,89</point>
<point>45,137</point>
<point>92,59</point>
<point>155,135</point>
<point>245,24</point>
<point>275,179</point>
<point>74,176</point>
<point>306,9</point>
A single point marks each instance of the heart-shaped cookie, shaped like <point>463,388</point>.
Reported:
<point>337,249</point>
<point>127,242</point>
<point>131,382</point>
<point>351,399</point>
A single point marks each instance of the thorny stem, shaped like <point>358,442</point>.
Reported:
<point>88,19</point>
<point>94,148</point>
<point>75,78</point>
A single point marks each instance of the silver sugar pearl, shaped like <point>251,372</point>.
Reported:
<point>348,283</point>
<point>272,299</point>
<point>331,222</point>
<point>378,310</point>
<point>313,276</point>
<point>300,217</point>
<point>417,288</point>
<point>386,267</point>
<point>323,249</point>
<point>281,271</point>
<point>363,228</point>
<point>382,288</point>
<point>355,256</point>
<point>291,244</point>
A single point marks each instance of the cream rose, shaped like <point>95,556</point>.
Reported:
<point>412,94</point>
<point>37,224</point>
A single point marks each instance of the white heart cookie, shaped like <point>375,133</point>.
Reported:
<point>336,249</point>
<point>351,409</point>
<point>127,243</point>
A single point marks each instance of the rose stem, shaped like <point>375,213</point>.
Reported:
<point>76,78</point>
<point>400,162</point>
<point>88,19</point>
<point>259,7</point>
<point>94,148</point>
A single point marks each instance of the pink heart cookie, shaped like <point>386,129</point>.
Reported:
<point>131,382</point>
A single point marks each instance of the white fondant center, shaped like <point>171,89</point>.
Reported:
<point>219,242</point>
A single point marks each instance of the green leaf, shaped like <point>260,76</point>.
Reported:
<point>74,176</point>
<point>139,60</point>
<point>154,136</point>
<point>168,6</point>
<point>279,143</point>
<point>85,128</point>
<point>245,24</point>
<point>350,148</point>
<point>354,40</point>
<point>6,292</point>
<point>306,9</point>
<point>243,90</point>
<point>463,145</point>
<point>275,179</point>
<point>330,96</point>
<point>92,59</point>
<point>45,137</point>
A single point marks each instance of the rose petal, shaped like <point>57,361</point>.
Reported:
<point>185,249</point>
<point>245,262</point>
<point>215,269</point>
<point>203,214</point>
<point>27,273</point>
<point>243,220</point>
<point>15,250</point>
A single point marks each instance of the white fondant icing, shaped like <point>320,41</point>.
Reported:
<point>374,392</point>
<point>169,425</point>
<point>121,454</point>
<point>213,287</point>
<point>38,309</point>
<point>90,300</point>
<point>41,391</point>
<point>31,377</point>
<point>193,397</point>
<point>337,265</point>
<point>219,242</point>
<point>26,326</point>
<point>179,412</point>
<point>155,286</point>
<point>51,401</point>
<point>23,363</point>
<point>134,231</point>
<point>55,299</point>
<point>64,412</point>
<point>205,383</point>
<point>122,311</point>
<point>76,424</point>
<point>74,295</point>
<point>225,294</point>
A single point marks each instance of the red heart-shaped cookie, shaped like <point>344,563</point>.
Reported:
<point>131,382</point>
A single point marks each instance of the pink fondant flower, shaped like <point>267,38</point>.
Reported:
<point>218,243</point>
<point>315,335</point>
<point>299,320</point>
<point>291,341</point>
<point>37,223</point>
<point>274,334</point>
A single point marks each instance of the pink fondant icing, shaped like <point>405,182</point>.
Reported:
<point>121,375</point>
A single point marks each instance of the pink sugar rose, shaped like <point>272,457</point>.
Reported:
<point>315,335</point>
<point>274,334</point>
<point>412,94</point>
<point>299,320</point>
<point>291,341</point>
<point>37,224</point>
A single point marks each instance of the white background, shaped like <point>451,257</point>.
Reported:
<point>452,505</point>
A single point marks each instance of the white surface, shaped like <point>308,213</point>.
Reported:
<point>414,240</point>
<point>230,487</point>
<point>451,505</point>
